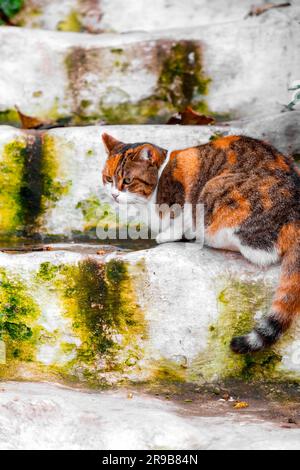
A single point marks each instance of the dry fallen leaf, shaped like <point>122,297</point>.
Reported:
<point>30,122</point>
<point>190,117</point>
<point>239,405</point>
<point>259,10</point>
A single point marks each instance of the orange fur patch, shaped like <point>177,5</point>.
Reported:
<point>226,216</point>
<point>224,142</point>
<point>288,236</point>
<point>186,169</point>
<point>112,164</point>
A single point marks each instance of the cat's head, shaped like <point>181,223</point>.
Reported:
<point>131,171</point>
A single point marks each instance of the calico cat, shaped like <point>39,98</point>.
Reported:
<point>251,198</point>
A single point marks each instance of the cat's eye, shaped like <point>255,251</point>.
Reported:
<point>127,180</point>
<point>109,179</point>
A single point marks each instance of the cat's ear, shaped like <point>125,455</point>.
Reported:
<point>109,142</point>
<point>152,154</point>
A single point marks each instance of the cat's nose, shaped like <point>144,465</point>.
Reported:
<point>115,196</point>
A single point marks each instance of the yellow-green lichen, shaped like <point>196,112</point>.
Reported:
<point>54,184</point>
<point>12,165</point>
<point>30,182</point>
<point>106,325</point>
<point>96,213</point>
<point>99,300</point>
<point>10,117</point>
<point>18,320</point>
<point>167,371</point>
<point>71,23</point>
<point>238,302</point>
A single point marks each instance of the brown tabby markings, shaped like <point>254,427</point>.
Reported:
<point>247,187</point>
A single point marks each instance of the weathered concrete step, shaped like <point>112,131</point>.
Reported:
<point>51,184</point>
<point>167,313</point>
<point>230,70</point>
<point>112,421</point>
<point>97,16</point>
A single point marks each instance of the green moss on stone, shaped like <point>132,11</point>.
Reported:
<point>100,302</point>
<point>238,303</point>
<point>30,182</point>
<point>18,316</point>
<point>117,50</point>
<point>85,103</point>
<point>47,272</point>
<point>149,110</point>
<point>96,213</point>
<point>12,166</point>
<point>182,81</point>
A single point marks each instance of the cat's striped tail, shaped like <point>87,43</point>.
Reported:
<point>285,307</point>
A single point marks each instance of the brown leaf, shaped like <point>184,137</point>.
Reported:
<point>190,117</point>
<point>30,122</point>
<point>259,10</point>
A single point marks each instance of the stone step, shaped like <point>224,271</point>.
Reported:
<point>51,182</point>
<point>98,16</point>
<point>230,70</point>
<point>164,314</point>
<point>113,421</point>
